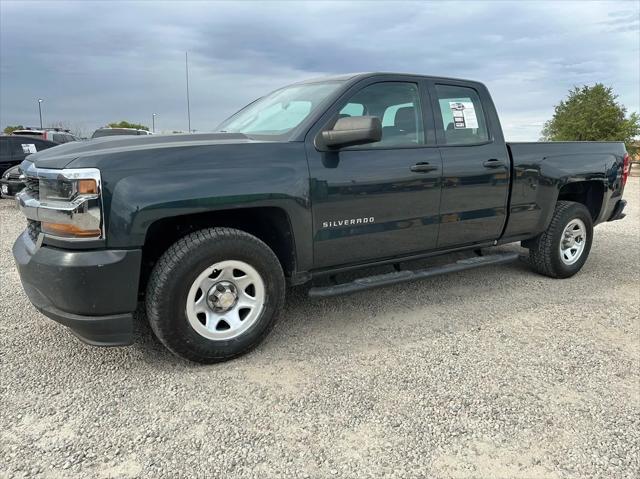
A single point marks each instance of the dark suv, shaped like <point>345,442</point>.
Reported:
<point>13,150</point>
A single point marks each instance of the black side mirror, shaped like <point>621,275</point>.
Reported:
<point>353,130</point>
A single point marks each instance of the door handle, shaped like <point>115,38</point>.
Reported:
<point>423,167</point>
<point>493,163</point>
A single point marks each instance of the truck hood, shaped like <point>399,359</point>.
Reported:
<point>63,155</point>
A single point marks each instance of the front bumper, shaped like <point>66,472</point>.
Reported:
<point>92,292</point>
<point>9,188</point>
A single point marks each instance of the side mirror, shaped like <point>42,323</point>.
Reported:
<point>353,130</point>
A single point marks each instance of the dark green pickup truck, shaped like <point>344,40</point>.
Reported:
<point>312,180</point>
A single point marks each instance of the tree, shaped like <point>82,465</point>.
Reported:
<point>10,129</point>
<point>592,114</point>
<point>126,124</point>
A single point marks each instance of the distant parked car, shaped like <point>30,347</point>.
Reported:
<point>10,183</point>
<point>14,149</point>
<point>57,135</point>
<point>118,131</point>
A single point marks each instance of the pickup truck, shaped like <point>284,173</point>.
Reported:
<point>314,179</point>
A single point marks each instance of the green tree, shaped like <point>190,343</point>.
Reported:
<point>126,124</point>
<point>592,114</point>
<point>10,129</point>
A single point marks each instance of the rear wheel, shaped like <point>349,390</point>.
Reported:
<point>562,250</point>
<point>215,294</point>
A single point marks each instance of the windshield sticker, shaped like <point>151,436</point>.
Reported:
<point>464,114</point>
<point>28,148</point>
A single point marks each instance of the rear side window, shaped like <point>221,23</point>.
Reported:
<point>27,133</point>
<point>24,146</point>
<point>462,115</point>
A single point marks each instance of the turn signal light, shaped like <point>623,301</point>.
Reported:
<point>87,187</point>
<point>69,231</point>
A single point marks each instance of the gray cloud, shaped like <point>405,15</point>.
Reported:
<point>96,62</point>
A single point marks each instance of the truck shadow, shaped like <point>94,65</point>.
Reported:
<point>307,323</point>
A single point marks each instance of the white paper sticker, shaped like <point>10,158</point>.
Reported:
<point>464,114</point>
<point>28,148</point>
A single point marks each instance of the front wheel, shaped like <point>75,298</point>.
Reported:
<point>215,294</point>
<point>562,250</point>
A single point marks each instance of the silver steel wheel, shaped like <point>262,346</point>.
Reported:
<point>225,300</point>
<point>574,238</point>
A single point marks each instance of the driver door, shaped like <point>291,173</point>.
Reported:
<point>379,200</point>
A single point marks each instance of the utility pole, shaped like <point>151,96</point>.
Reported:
<point>40,100</point>
<point>153,123</point>
<point>186,65</point>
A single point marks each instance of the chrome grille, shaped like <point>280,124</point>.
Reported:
<point>32,185</point>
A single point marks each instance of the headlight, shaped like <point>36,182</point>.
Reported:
<point>68,202</point>
<point>63,189</point>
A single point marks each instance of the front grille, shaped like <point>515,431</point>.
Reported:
<point>32,185</point>
<point>33,229</point>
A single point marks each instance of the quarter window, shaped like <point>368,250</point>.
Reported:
<point>397,105</point>
<point>462,115</point>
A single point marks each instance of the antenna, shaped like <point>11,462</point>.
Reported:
<point>186,65</point>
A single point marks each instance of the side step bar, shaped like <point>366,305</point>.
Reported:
<point>404,276</point>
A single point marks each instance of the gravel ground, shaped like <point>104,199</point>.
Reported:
<point>495,372</point>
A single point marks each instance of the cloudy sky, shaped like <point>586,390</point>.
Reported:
<point>95,62</point>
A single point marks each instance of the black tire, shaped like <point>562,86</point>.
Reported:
<point>177,270</point>
<point>544,250</point>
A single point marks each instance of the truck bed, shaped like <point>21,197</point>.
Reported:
<point>541,169</point>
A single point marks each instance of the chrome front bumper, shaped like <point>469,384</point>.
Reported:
<point>82,212</point>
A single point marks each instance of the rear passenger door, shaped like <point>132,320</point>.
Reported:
<point>475,165</point>
<point>21,147</point>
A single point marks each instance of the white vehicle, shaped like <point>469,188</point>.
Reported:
<point>57,135</point>
<point>108,131</point>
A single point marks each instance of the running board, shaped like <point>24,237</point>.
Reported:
<point>404,276</point>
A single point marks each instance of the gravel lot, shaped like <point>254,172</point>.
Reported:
<point>495,372</point>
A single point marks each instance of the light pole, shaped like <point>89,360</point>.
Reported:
<point>153,123</point>
<point>186,68</point>
<point>40,100</point>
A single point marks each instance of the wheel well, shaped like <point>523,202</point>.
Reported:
<point>269,224</point>
<point>589,193</point>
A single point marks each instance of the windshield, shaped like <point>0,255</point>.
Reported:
<point>281,111</point>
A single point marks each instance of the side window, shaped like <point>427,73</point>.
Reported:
<point>462,115</point>
<point>397,104</point>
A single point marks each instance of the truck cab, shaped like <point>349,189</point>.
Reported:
<point>430,183</point>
